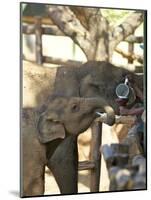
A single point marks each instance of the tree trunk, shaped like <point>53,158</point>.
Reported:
<point>91,31</point>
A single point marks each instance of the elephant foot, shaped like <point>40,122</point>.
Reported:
<point>64,165</point>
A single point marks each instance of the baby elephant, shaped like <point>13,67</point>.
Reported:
<point>70,116</point>
<point>52,141</point>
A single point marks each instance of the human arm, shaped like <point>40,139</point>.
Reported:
<point>132,111</point>
<point>139,93</point>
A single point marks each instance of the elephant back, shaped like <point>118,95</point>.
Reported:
<point>38,83</point>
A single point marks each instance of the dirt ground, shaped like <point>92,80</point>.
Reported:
<point>108,137</point>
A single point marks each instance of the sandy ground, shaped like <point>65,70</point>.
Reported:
<point>108,137</point>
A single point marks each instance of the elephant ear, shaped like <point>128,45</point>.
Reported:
<point>49,130</point>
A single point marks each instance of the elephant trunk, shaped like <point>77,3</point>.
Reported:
<point>100,104</point>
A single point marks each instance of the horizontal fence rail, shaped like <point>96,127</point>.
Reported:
<point>95,159</point>
<point>38,29</point>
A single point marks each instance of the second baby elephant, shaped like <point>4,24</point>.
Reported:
<point>52,141</point>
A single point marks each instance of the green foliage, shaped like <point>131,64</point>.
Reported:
<point>115,16</point>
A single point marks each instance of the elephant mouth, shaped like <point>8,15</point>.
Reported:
<point>105,117</point>
<point>98,112</point>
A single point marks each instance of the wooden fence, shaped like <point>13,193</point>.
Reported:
<point>95,161</point>
<point>38,29</point>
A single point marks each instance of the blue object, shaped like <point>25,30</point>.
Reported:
<point>140,127</point>
<point>141,46</point>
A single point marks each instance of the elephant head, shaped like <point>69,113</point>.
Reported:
<point>70,115</point>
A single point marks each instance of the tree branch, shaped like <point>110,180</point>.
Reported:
<point>98,28</point>
<point>54,30</point>
<point>84,14</point>
<point>130,56</point>
<point>81,15</point>
<point>68,23</point>
<point>127,27</point>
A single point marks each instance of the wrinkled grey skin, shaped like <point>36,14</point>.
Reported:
<point>70,115</point>
<point>93,79</point>
<point>55,144</point>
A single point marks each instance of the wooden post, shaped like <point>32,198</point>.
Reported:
<point>95,156</point>
<point>38,34</point>
<point>130,51</point>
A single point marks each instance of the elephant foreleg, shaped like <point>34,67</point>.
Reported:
<point>32,173</point>
<point>64,165</point>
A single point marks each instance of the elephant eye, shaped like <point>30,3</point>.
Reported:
<point>75,108</point>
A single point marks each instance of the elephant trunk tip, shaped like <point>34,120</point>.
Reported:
<point>108,117</point>
<point>111,121</point>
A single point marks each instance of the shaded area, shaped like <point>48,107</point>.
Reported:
<point>33,9</point>
<point>14,193</point>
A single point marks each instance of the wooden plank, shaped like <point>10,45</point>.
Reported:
<point>95,156</point>
<point>86,165</point>
<point>28,29</point>
<point>31,20</point>
<point>118,119</point>
<point>134,39</point>
<point>61,61</point>
<point>139,69</point>
<point>38,33</point>
<point>131,52</point>
<point>52,30</point>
